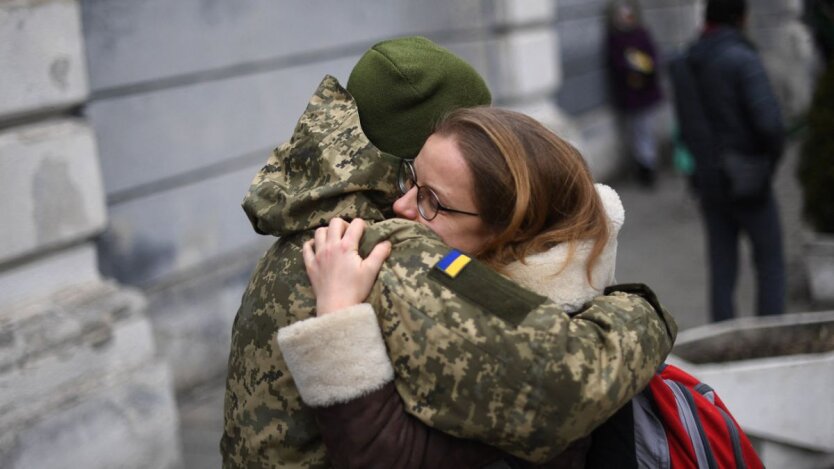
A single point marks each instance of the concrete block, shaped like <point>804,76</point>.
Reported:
<point>148,137</point>
<point>42,55</point>
<point>192,318</point>
<point>153,237</point>
<point>81,385</point>
<point>70,267</point>
<point>54,347</point>
<point>127,425</point>
<point>529,63</point>
<point>758,337</point>
<point>50,187</point>
<point>509,12</point>
<point>775,454</point>
<point>192,36</point>
<point>784,399</point>
<point>774,373</point>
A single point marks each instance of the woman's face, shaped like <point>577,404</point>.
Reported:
<point>441,167</point>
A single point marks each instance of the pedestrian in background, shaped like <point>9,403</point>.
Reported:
<point>632,65</point>
<point>731,121</point>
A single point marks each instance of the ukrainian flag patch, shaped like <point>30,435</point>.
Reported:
<point>453,263</point>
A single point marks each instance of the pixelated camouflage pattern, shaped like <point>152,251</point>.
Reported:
<point>328,169</point>
<point>528,389</point>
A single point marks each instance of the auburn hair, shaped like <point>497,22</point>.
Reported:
<point>532,189</point>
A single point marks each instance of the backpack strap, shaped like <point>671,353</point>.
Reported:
<point>651,445</point>
<point>688,414</point>
<point>735,435</point>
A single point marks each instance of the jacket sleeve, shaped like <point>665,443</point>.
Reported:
<point>479,357</point>
<point>341,369</point>
<point>761,108</point>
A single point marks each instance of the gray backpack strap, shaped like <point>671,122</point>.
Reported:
<point>650,443</point>
<point>689,418</point>
<point>706,391</point>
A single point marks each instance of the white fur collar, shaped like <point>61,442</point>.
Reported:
<point>570,288</point>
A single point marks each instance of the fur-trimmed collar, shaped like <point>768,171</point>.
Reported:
<point>569,287</point>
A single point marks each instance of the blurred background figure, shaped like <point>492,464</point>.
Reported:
<point>632,65</point>
<point>726,107</point>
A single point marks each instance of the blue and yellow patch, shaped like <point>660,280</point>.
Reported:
<point>453,263</point>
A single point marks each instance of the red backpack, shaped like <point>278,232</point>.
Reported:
<point>699,430</point>
<point>677,422</point>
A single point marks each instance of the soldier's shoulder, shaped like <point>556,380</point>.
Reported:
<point>402,233</point>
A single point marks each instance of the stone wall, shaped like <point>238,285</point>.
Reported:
<point>81,383</point>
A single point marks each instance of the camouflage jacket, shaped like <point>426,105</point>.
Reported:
<point>475,356</point>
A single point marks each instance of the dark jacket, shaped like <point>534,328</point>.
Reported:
<point>733,91</point>
<point>632,66</point>
<point>375,431</point>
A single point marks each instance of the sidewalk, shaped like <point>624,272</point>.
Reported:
<point>661,244</point>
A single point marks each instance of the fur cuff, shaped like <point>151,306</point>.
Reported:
<point>337,357</point>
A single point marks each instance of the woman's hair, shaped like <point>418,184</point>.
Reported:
<point>532,189</point>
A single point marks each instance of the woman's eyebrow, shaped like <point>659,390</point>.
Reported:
<point>441,194</point>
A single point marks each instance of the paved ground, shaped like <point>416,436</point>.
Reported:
<point>661,244</point>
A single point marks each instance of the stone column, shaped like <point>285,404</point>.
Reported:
<point>526,65</point>
<point>80,382</point>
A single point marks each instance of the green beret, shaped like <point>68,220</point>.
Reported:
<point>404,86</point>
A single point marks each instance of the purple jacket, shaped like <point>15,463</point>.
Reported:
<point>632,65</point>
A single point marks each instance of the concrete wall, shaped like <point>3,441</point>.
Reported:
<point>81,384</point>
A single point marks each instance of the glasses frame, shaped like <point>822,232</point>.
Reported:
<point>407,179</point>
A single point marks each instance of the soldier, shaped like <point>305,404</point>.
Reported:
<point>525,203</point>
<point>506,351</point>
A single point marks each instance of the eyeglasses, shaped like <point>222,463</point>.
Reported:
<point>427,202</point>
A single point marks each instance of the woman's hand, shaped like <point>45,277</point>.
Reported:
<point>339,275</point>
